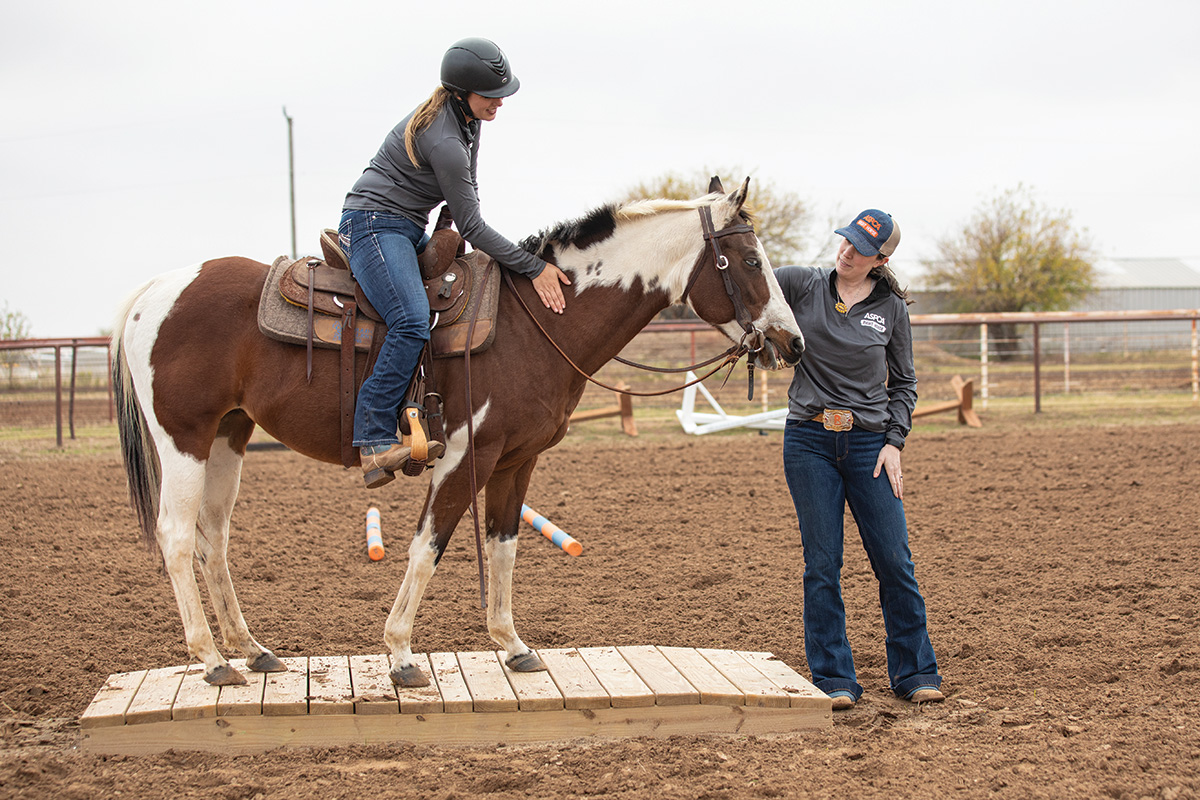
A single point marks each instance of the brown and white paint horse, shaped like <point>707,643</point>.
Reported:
<point>193,376</point>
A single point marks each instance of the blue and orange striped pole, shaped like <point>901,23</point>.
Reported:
<point>374,535</point>
<point>551,531</point>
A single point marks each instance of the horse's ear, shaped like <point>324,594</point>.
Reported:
<point>736,199</point>
<point>714,185</point>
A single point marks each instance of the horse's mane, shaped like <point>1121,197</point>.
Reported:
<point>600,223</point>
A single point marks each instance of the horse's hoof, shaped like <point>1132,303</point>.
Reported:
<point>224,675</point>
<point>410,676</point>
<point>266,662</point>
<point>526,662</point>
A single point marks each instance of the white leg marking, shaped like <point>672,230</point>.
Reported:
<point>222,475</point>
<point>397,634</point>
<point>179,506</point>
<point>501,558</point>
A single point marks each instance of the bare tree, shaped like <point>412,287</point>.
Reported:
<point>13,325</point>
<point>1013,255</point>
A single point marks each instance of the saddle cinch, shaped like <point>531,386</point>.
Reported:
<point>312,301</point>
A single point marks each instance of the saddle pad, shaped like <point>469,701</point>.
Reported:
<point>281,320</point>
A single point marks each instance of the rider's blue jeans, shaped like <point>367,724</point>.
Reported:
<point>383,257</point>
<point>825,471</point>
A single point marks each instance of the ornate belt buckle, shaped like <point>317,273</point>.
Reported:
<point>837,420</point>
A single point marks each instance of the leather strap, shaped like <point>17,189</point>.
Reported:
<point>471,426</point>
<point>346,380</point>
<point>312,266</point>
<point>730,356</point>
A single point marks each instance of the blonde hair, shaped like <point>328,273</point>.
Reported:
<point>421,119</point>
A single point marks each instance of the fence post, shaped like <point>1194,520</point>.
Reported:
<point>58,394</point>
<point>983,365</point>
<point>1195,366</point>
<point>1037,369</point>
<point>1066,358</point>
<point>71,401</point>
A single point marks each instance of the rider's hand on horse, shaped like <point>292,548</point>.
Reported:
<point>548,288</point>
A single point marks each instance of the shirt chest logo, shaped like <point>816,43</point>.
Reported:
<point>872,320</point>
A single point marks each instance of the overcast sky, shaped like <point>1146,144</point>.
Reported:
<point>137,137</point>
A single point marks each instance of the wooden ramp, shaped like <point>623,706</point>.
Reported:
<point>595,692</point>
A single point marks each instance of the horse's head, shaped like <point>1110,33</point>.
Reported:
<point>733,288</point>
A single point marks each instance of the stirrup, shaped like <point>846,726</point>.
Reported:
<point>424,450</point>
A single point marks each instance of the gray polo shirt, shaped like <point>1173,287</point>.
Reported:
<point>449,153</point>
<point>861,360</point>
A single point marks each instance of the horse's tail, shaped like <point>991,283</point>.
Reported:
<point>142,467</point>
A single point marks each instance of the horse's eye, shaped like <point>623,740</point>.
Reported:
<point>753,262</point>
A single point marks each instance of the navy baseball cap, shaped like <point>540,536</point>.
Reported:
<point>873,232</point>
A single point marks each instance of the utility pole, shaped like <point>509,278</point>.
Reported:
<point>291,179</point>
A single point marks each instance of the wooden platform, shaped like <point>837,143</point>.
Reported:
<point>600,692</point>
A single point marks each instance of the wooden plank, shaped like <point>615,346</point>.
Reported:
<point>245,700</point>
<point>758,689</point>
<point>286,693</point>
<point>456,698</point>
<point>109,704</point>
<point>535,691</point>
<point>373,689</point>
<point>715,688</point>
<point>233,735</point>
<point>802,693</point>
<point>425,699</point>
<point>195,699</point>
<point>625,689</point>
<point>329,688</point>
<point>155,696</point>
<point>668,684</point>
<point>574,679</point>
<point>490,690</point>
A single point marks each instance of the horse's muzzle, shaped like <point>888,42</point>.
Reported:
<point>782,349</point>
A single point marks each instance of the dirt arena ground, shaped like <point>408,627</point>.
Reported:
<point>1061,568</point>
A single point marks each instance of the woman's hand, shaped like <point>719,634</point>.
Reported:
<point>548,288</point>
<point>889,460</point>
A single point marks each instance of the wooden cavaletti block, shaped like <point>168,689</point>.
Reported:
<point>592,692</point>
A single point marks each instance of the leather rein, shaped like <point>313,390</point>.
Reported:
<point>751,342</point>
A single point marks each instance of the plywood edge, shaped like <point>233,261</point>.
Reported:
<point>234,735</point>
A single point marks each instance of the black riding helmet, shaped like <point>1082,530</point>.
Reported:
<point>479,66</point>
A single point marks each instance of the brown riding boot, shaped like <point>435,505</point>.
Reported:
<point>379,463</point>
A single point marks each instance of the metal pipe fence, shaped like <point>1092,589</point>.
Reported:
<point>1108,355</point>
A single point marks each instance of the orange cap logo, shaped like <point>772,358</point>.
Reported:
<point>869,225</point>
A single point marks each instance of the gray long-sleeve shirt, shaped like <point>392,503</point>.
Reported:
<point>861,360</point>
<point>449,154</point>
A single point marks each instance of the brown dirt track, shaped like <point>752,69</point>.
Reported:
<point>1060,567</point>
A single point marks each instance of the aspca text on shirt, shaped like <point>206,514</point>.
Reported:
<point>873,320</point>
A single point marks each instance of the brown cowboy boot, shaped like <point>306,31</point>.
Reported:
<point>380,462</point>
